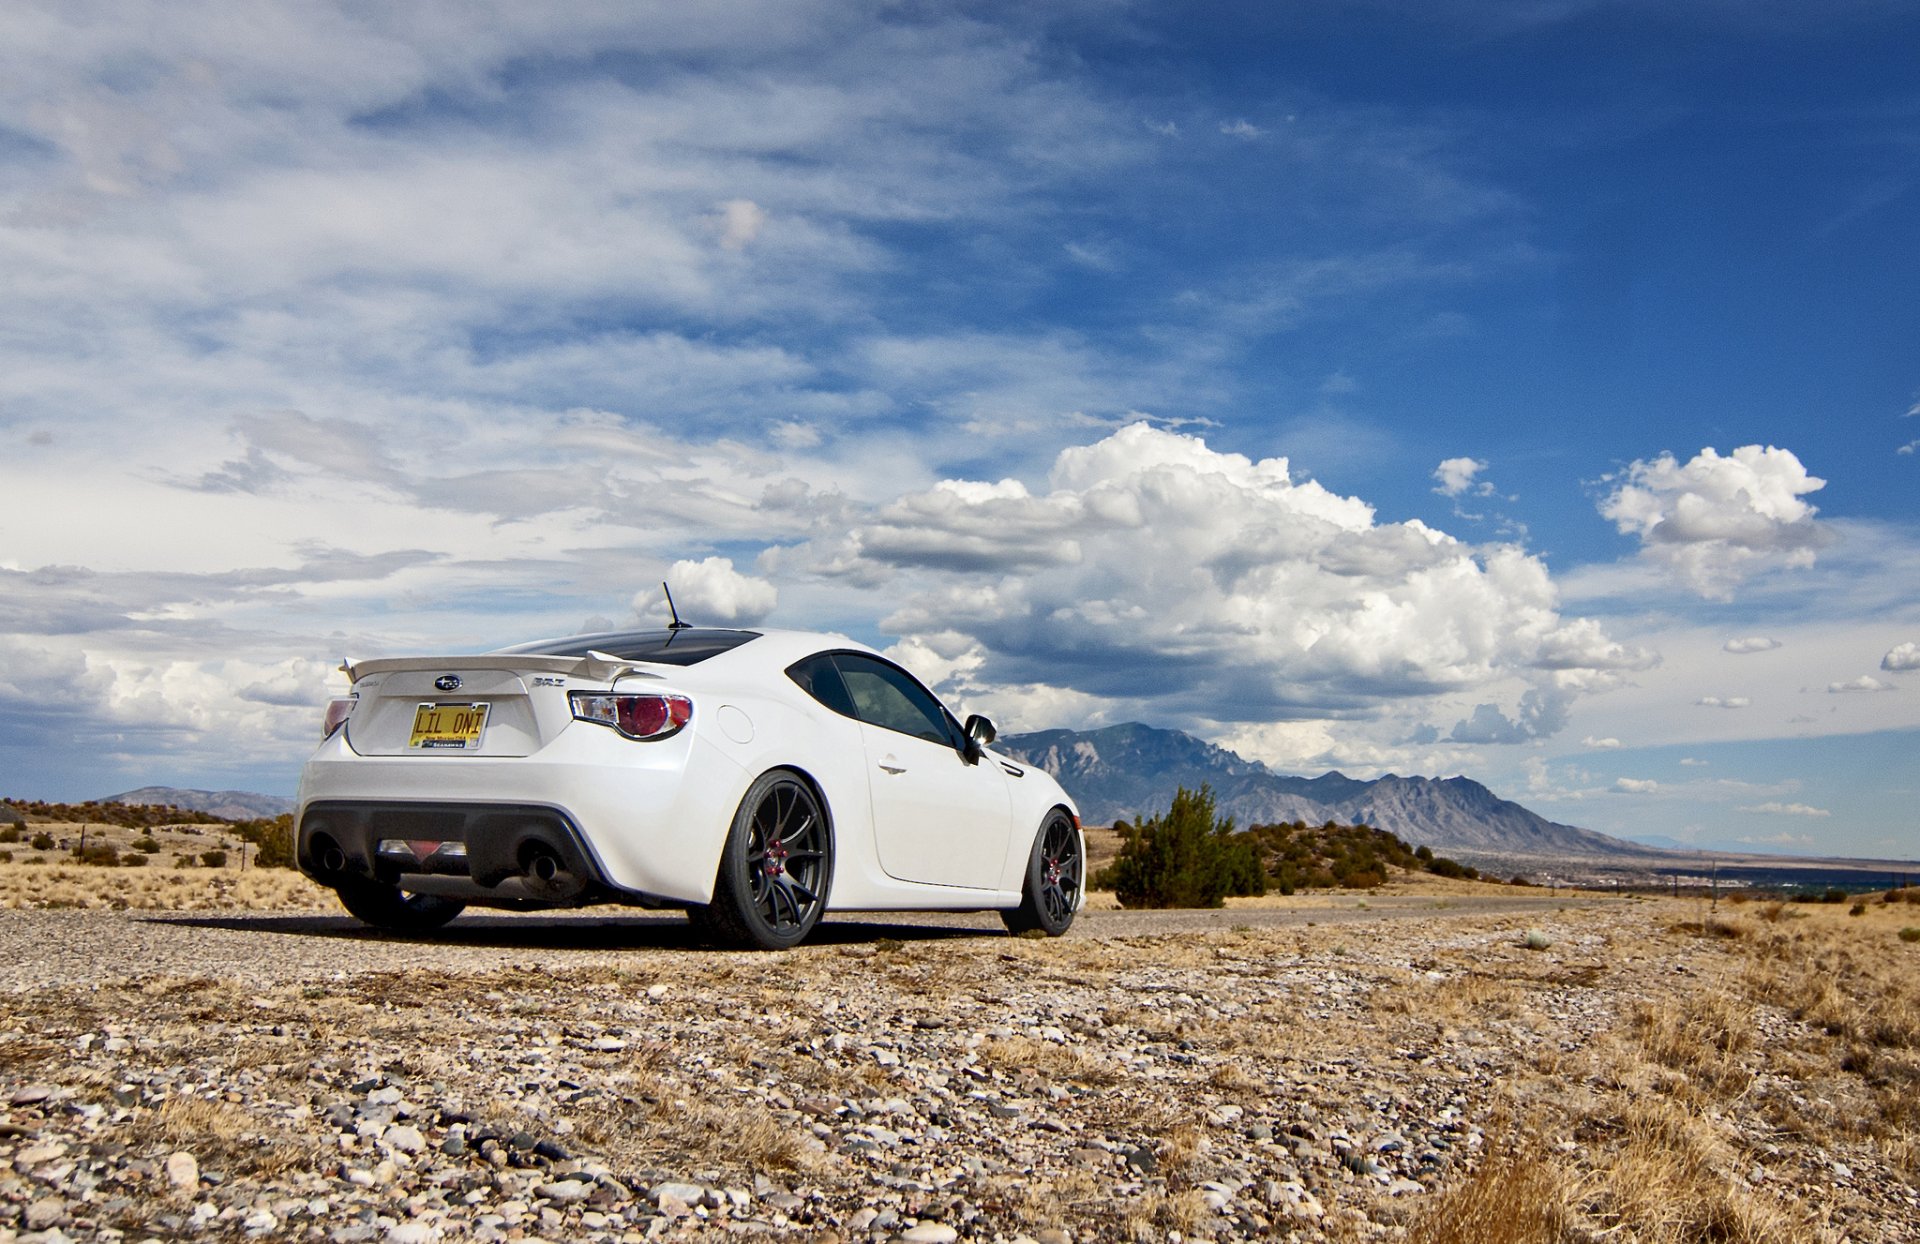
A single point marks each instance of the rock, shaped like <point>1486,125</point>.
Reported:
<point>565,1191</point>
<point>31,1094</point>
<point>34,1155</point>
<point>1053,1235</point>
<point>406,1139</point>
<point>412,1233</point>
<point>183,1171</point>
<point>690,1194</point>
<point>388,1096</point>
<point>930,1233</point>
<point>48,1211</point>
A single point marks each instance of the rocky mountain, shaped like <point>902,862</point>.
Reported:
<point>234,805</point>
<point>1131,771</point>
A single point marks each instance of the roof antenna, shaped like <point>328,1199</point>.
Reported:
<point>676,624</point>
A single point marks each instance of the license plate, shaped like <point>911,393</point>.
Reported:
<point>448,727</point>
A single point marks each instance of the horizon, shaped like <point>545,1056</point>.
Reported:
<point>1523,392</point>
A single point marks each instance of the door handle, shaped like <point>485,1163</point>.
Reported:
<point>890,765</point>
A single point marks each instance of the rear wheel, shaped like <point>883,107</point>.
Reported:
<point>1051,895</point>
<point>774,873</point>
<point>390,907</point>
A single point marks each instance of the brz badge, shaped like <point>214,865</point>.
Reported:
<point>448,682</point>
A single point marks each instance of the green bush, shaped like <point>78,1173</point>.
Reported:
<point>1186,858</point>
<point>214,859</point>
<point>105,855</point>
<point>13,832</point>
<point>1910,935</point>
<point>272,840</point>
<point>148,845</point>
<point>133,860</point>
<point>42,841</point>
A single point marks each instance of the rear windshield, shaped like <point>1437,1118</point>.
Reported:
<point>683,647</point>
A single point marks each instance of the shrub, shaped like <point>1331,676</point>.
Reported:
<point>1858,909</point>
<point>6,857</point>
<point>272,840</point>
<point>1910,935</point>
<point>1186,858</point>
<point>214,859</point>
<point>106,855</point>
<point>183,861</point>
<point>13,832</point>
<point>42,841</point>
<point>133,860</point>
<point>148,845</point>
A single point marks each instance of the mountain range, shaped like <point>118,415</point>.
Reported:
<point>234,805</point>
<point>1131,771</point>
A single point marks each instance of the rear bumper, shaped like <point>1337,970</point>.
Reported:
<point>638,822</point>
<point>496,850</point>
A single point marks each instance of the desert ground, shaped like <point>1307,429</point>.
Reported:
<point>218,1053</point>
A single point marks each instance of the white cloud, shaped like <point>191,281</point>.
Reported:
<point>1456,476</point>
<point>1902,658</point>
<point>1726,701</point>
<point>740,223</point>
<point>1201,584</point>
<point>1241,128</point>
<point>1635,786</point>
<point>1752,643</point>
<point>712,592</point>
<point>1693,763</point>
<point>1866,682</point>
<point>1606,744</point>
<point>1775,808</point>
<point>1716,521</point>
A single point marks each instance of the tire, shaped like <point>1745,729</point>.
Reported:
<point>391,908</point>
<point>775,870</point>
<point>1055,871</point>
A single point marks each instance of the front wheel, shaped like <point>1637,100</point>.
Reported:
<point>775,870</point>
<point>1051,895</point>
<point>389,907</point>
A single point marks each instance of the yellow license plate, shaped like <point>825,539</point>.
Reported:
<point>448,727</point>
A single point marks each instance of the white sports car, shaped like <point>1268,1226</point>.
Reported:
<point>755,778</point>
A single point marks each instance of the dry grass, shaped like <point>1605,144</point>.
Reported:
<point>56,879</point>
<point>1511,1198</point>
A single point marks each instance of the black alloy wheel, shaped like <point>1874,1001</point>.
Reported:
<point>775,870</point>
<point>1051,895</point>
<point>391,908</point>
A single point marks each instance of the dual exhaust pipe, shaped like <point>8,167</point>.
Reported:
<point>543,874</point>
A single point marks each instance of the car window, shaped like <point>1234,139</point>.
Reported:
<point>819,678</point>
<point>886,695</point>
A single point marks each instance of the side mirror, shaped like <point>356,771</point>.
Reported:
<point>980,730</point>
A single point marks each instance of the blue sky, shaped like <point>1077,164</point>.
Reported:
<point>1520,390</point>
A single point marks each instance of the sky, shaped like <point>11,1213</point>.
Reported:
<point>1526,390</point>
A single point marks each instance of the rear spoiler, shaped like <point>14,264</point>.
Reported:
<point>597,666</point>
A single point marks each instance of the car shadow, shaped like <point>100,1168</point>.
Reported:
<point>662,932</point>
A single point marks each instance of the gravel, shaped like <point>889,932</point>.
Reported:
<point>273,1077</point>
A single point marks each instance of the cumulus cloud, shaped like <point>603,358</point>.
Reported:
<point>1866,682</point>
<point>1156,569</point>
<point>1775,808</point>
<point>1605,744</point>
<point>711,591</point>
<point>1456,476</point>
<point>1635,786</point>
<point>1241,128</point>
<point>1715,521</point>
<point>740,222</point>
<point>1752,643</point>
<point>1902,658</point>
<point>1723,701</point>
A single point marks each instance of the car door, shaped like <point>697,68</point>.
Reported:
<point>938,818</point>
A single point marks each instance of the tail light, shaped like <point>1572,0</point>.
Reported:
<point>338,711</point>
<point>650,716</point>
